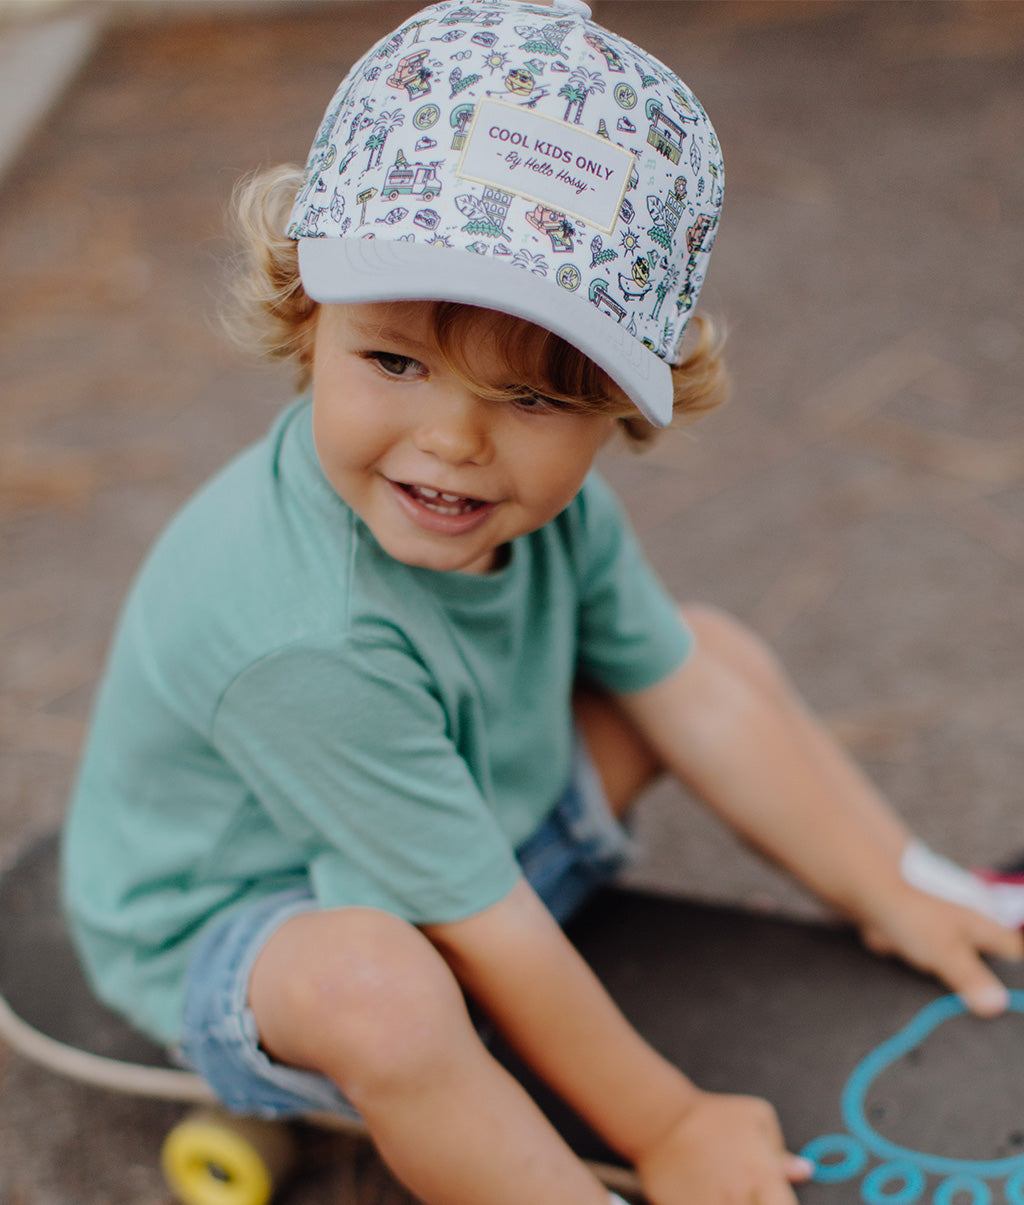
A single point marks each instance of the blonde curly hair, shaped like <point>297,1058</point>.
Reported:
<point>272,315</point>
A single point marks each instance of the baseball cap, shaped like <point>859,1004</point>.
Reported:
<point>521,158</point>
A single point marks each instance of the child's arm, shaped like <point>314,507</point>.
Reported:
<point>687,1145</point>
<point>730,726</point>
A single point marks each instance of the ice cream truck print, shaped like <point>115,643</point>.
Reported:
<point>418,179</point>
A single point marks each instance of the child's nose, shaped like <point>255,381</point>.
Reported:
<point>456,430</point>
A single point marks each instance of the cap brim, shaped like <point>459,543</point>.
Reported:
<point>354,271</point>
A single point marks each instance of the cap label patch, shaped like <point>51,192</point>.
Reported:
<point>540,158</point>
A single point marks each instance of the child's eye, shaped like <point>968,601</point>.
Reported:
<point>536,403</point>
<point>393,364</point>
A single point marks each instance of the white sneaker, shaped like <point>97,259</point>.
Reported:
<point>998,897</point>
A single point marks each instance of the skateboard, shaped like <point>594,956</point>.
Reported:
<point>894,1093</point>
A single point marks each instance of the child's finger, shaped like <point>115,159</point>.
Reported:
<point>975,984</point>
<point>998,940</point>
<point>798,1170</point>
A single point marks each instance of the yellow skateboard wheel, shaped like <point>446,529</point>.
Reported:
<point>211,1158</point>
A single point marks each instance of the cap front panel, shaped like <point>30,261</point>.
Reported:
<point>536,138</point>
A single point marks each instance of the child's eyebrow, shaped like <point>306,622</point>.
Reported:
<point>374,331</point>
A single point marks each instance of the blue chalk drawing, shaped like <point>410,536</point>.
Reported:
<point>901,1178</point>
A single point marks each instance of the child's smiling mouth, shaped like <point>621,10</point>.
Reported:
<point>441,512</point>
<point>439,501</point>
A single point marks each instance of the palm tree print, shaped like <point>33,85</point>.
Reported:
<point>389,120</point>
<point>535,263</point>
<point>573,95</point>
<point>579,86</point>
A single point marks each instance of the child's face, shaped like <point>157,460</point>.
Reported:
<point>442,477</point>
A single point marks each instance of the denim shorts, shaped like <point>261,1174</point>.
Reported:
<point>579,847</point>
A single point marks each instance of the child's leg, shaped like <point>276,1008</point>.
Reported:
<point>625,762</point>
<point>626,765</point>
<point>750,658</point>
<point>1002,901</point>
<point>364,998</point>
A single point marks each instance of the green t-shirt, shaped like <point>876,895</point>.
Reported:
<point>284,702</point>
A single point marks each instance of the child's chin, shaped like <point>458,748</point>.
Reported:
<point>442,560</point>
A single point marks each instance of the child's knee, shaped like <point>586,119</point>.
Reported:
<point>736,646</point>
<point>359,995</point>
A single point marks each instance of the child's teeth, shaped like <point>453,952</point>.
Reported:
<point>431,495</point>
<point>440,501</point>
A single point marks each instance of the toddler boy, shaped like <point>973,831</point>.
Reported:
<point>384,689</point>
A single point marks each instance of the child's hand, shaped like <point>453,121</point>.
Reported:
<point>946,940</point>
<point>725,1150</point>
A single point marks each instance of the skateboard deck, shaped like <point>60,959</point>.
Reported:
<point>877,1075</point>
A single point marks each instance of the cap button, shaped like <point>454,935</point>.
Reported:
<point>574,6</point>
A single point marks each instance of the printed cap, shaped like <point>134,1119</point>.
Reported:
<point>521,158</point>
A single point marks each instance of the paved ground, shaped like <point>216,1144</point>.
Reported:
<point>861,500</point>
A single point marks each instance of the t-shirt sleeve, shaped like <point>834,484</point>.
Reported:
<point>349,751</point>
<point>630,632</point>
